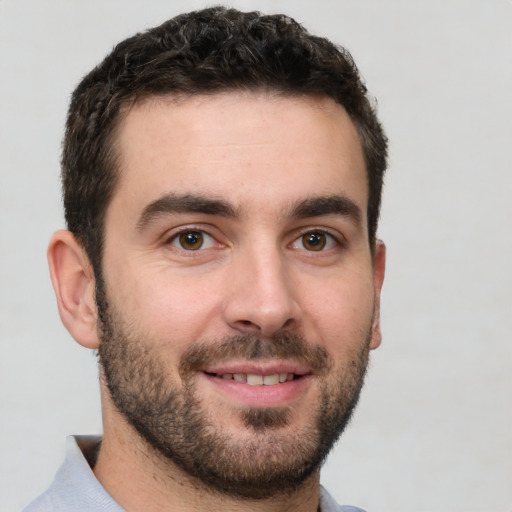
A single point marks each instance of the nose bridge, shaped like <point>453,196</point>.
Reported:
<point>262,297</point>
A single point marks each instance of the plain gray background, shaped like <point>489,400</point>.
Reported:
<point>433,431</point>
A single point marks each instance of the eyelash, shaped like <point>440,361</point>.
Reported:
<point>329,241</point>
<point>174,240</point>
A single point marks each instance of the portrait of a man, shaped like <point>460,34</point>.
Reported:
<point>255,256</point>
<point>222,176</point>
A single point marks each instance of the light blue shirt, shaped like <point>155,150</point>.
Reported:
<point>76,489</point>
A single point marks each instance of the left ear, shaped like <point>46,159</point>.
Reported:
<point>379,267</point>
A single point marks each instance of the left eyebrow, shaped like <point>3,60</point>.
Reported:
<point>188,203</point>
<point>327,205</point>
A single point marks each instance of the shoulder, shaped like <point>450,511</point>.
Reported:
<point>328,504</point>
<point>75,488</point>
<point>47,502</point>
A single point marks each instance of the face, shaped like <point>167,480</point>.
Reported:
<point>239,300</point>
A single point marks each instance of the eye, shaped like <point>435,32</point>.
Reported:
<point>192,240</point>
<point>315,241</point>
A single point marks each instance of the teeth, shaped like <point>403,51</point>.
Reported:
<point>270,380</point>
<point>254,380</point>
<point>258,380</point>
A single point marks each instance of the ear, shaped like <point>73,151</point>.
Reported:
<point>379,267</point>
<point>73,281</point>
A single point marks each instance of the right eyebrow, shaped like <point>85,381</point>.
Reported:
<point>188,203</point>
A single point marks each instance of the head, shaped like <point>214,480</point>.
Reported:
<point>222,177</point>
<point>203,53</point>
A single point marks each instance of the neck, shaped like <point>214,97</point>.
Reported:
<point>141,480</point>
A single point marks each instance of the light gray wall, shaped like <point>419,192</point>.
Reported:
<point>434,429</point>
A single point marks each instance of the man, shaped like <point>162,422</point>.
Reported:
<point>222,177</point>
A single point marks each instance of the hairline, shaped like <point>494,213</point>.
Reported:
<point>112,141</point>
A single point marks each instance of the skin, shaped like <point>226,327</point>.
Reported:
<point>261,155</point>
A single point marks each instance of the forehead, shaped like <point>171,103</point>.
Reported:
<point>251,148</point>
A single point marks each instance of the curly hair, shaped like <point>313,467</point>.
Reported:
<point>202,52</point>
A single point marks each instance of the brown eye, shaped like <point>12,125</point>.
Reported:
<point>191,240</point>
<point>314,241</point>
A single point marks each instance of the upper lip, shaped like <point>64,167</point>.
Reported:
<point>258,367</point>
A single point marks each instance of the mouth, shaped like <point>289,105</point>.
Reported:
<point>255,379</point>
<point>259,384</point>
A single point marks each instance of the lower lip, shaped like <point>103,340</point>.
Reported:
<point>277,395</point>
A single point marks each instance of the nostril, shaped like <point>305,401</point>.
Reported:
<point>247,326</point>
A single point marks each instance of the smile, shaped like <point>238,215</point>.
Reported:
<point>258,380</point>
<point>263,383</point>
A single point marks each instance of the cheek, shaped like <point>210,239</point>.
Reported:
<point>169,307</point>
<point>341,311</point>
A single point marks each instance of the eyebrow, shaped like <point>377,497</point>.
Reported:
<point>328,205</point>
<point>188,203</point>
<point>192,203</point>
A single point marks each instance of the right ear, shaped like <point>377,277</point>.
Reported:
<point>73,281</point>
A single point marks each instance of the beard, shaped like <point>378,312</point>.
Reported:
<point>271,457</point>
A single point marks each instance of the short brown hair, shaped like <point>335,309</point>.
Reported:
<point>202,52</point>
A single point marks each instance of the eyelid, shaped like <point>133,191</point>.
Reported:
<point>337,240</point>
<point>172,238</point>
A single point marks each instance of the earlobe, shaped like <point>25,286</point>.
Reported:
<point>379,267</point>
<point>73,281</point>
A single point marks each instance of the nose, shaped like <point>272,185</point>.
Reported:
<point>261,298</point>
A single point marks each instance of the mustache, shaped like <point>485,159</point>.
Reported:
<point>253,347</point>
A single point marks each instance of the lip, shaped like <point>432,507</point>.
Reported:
<point>262,396</point>
<point>261,367</point>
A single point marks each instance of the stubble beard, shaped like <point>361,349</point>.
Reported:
<point>269,459</point>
